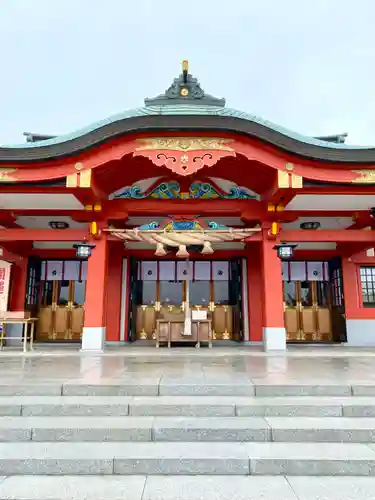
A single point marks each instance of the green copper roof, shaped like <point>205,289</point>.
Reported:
<point>180,110</point>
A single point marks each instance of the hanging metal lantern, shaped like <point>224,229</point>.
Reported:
<point>83,250</point>
<point>285,251</point>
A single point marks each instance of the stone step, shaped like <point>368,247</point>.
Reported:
<point>324,430</point>
<point>133,429</point>
<point>188,406</point>
<point>295,459</point>
<point>187,387</point>
<point>187,429</point>
<point>186,488</point>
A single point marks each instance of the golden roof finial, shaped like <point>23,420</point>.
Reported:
<point>185,65</point>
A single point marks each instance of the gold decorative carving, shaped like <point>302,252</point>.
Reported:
<point>283,179</point>
<point>78,166</point>
<point>81,179</point>
<point>289,167</point>
<point>197,152</point>
<point>288,180</point>
<point>184,144</point>
<point>85,178</point>
<point>297,181</point>
<point>143,335</point>
<point>5,174</point>
<point>72,181</point>
<point>365,177</point>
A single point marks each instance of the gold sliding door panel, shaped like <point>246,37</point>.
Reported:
<point>223,322</point>
<point>60,317</point>
<point>76,309</point>
<point>307,311</point>
<point>62,327</point>
<point>146,322</point>
<point>47,310</point>
<point>77,319</point>
<point>324,322</point>
<point>44,324</point>
<point>291,309</point>
<point>291,323</point>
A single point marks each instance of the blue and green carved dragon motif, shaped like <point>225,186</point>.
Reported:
<point>206,191</point>
<point>198,190</point>
<point>164,190</point>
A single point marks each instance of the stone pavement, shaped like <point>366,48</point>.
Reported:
<point>186,488</point>
<point>226,423</point>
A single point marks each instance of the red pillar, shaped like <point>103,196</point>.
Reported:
<point>95,301</point>
<point>113,307</point>
<point>18,278</point>
<point>350,284</point>
<point>274,335</point>
<point>254,292</point>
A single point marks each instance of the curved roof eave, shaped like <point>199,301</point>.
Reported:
<point>182,118</point>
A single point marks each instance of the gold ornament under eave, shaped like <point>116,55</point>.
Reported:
<point>5,174</point>
<point>184,143</point>
<point>365,177</point>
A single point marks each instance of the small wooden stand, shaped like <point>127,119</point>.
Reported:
<point>18,318</point>
<point>170,330</point>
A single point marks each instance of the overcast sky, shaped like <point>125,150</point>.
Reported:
<point>308,65</point>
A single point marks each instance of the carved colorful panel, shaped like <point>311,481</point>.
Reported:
<point>215,188</point>
<point>207,191</point>
<point>182,224</point>
<point>163,191</point>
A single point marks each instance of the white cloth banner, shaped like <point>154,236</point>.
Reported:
<point>220,270</point>
<point>54,270</point>
<point>202,271</point>
<point>84,270</point>
<point>317,271</point>
<point>167,270</point>
<point>298,271</point>
<point>305,271</point>
<point>71,270</point>
<point>184,270</point>
<point>285,271</point>
<point>149,270</point>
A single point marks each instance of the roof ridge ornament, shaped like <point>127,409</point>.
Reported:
<point>185,89</point>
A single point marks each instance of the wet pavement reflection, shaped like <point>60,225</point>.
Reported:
<point>333,366</point>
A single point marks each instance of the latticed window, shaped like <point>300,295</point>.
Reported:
<point>368,286</point>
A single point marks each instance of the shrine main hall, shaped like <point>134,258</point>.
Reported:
<point>186,221</point>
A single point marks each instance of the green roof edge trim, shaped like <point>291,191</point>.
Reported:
<point>184,110</point>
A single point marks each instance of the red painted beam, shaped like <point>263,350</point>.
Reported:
<point>328,235</point>
<point>43,234</point>
<point>332,189</point>
<point>185,207</point>
<point>9,256</point>
<point>318,255</point>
